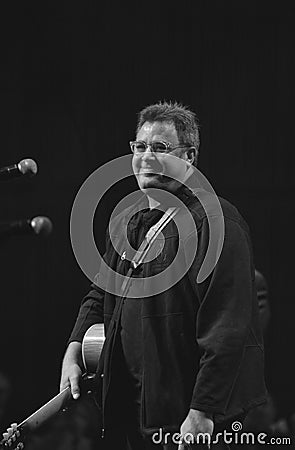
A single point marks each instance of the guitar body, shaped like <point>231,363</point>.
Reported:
<point>92,347</point>
<point>91,350</point>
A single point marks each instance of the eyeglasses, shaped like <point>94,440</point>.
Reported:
<point>139,147</point>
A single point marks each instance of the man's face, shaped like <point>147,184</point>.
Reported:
<point>153,169</point>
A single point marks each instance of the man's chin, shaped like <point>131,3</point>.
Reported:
<point>156,182</point>
<point>151,181</point>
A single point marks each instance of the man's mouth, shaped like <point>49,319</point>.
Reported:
<point>152,176</point>
<point>149,172</point>
<point>150,169</point>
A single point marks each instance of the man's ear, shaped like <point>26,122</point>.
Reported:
<point>192,154</point>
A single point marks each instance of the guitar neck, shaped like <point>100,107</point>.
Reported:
<point>91,351</point>
<point>46,411</point>
<point>38,418</point>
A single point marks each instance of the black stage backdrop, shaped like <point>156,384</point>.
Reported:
<point>73,76</point>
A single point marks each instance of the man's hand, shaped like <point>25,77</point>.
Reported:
<point>71,369</point>
<point>196,422</point>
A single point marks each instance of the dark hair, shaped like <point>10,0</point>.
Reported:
<point>184,120</point>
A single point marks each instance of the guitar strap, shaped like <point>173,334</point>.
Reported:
<point>146,244</point>
<point>139,256</point>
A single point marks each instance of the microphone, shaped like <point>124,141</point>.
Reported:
<point>40,225</point>
<point>24,167</point>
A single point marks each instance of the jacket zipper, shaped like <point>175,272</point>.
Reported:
<point>102,428</point>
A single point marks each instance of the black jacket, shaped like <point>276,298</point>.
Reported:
<point>202,344</point>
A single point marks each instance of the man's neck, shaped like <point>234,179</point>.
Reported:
<point>153,203</point>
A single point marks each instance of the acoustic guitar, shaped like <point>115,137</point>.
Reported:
<point>92,345</point>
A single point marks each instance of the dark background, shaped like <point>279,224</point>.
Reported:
<point>73,77</point>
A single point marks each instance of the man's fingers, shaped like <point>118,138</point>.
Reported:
<point>64,384</point>
<point>184,445</point>
<point>188,443</point>
<point>75,387</point>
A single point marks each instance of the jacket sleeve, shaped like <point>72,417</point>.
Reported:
<point>223,317</point>
<point>91,312</point>
<point>92,306</point>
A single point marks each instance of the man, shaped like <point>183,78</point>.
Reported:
<point>188,359</point>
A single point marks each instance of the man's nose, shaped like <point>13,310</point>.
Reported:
<point>148,153</point>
